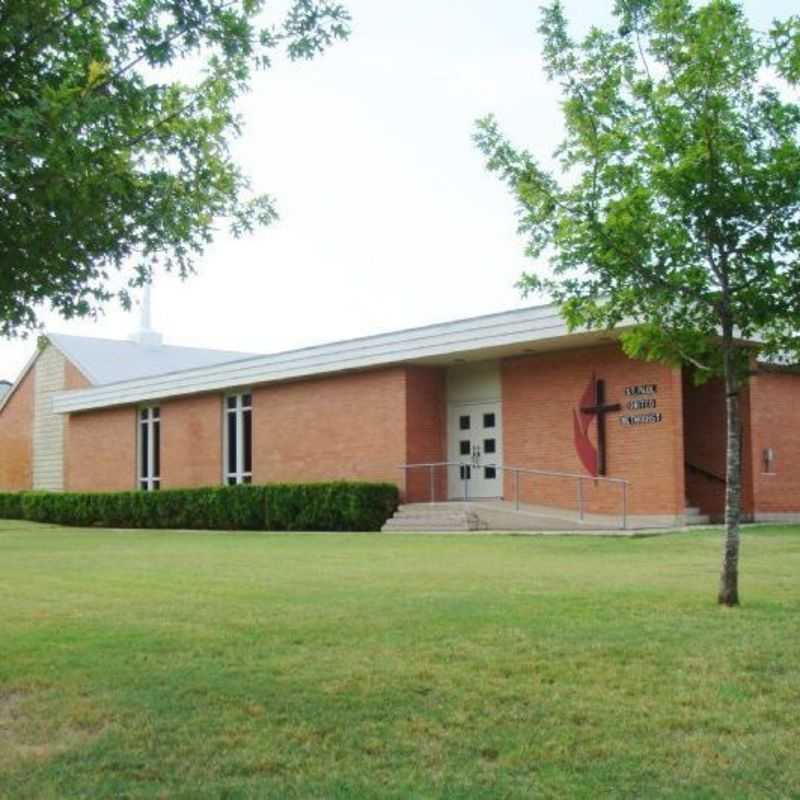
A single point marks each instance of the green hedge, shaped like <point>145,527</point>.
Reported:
<point>11,506</point>
<point>339,506</point>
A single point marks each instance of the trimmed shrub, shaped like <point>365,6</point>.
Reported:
<point>11,505</point>
<point>339,506</point>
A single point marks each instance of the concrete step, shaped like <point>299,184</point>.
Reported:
<point>434,517</point>
<point>694,516</point>
<point>432,527</point>
<point>433,508</point>
<point>441,517</point>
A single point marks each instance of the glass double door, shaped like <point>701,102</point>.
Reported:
<point>476,444</point>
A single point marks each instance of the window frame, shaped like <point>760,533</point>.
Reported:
<point>148,418</point>
<point>239,475</point>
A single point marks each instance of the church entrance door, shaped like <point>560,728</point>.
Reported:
<point>476,443</point>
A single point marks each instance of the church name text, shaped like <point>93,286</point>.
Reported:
<point>640,389</point>
<point>644,400</point>
<point>640,419</point>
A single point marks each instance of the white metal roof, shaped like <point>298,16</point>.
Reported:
<point>110,361</point>
<point>105,361</point>
<point>485,337</point>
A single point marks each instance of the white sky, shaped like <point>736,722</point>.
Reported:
<point>388,216</point>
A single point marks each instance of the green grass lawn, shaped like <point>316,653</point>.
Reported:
<point>298,666</point>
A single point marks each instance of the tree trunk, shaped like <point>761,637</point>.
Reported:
<point>729,576</point>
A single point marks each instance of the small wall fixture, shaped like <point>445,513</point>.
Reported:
<point>768,456</point>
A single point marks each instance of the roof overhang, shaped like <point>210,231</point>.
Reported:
<point>788,369</point>
<point>496,335</point>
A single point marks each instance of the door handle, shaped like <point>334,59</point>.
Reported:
<point>476,456</point>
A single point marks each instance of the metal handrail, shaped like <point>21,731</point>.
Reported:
<point>517,471</point>
<point>705,472</point>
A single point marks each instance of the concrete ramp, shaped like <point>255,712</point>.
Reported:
<point>478,516</point>
<point>499,515</point>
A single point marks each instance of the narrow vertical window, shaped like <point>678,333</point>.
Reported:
<point>233,453</point>
<point>149,448</point>
<point>238,439</point>
<point>156,448</point>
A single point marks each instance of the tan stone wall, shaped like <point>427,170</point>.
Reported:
<point>30,432</point>
<point>191,442</point>
<point>48,427</point>
<point>341,427</point>
<point>540,393</point>
<point>16,438</point>
<point>100,450</point>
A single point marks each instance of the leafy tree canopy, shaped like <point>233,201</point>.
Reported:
<point>678,202</point>
<point>677,206</point>
<point>108,161</point>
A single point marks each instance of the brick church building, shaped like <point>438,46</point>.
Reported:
<point>507,407</point>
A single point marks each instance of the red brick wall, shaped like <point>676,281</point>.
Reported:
<point>191,441</point>
<point>16,438</point>
<point>539,395</point>
<point>73,377</point>
<point>16,430</point>
<point>426,425</point>
<point>100,451</point>
<point>748,466</point>
<point>100,446</point>
<point>364,425</point>
<point>341,427</point>
<point>775,419</point>
<point>358,426</point>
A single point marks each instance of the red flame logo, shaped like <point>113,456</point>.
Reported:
<point>586,451</point>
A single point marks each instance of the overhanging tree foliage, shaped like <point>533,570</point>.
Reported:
<point>678,204</point>
<point>112,156</point>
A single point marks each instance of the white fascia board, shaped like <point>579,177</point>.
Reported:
<point>461,337</point>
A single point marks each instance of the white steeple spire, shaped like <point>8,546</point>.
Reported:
<point>146,336</point>
<point>146,314</point>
